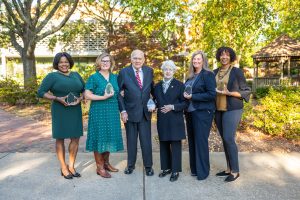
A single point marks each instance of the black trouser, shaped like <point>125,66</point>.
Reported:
<point>170,155</point>
<point>143,130</point>
<point>199,123</point>
<point>227,123</point>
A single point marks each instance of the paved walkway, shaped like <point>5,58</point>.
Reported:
<point>29,170</point>
<point>265,176</point>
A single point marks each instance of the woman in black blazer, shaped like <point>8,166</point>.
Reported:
<point>168,95</point>
<point>231,91</point>
<point>200,113</point>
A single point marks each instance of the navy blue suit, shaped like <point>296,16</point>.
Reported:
<point>134,103</point>
<point>199,122</point>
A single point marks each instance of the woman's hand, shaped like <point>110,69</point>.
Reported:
<point>225,91</point>
<point>187,96</point>
<point>106,96</point>
<point>77,101</point>
<point>166,108</point>
<point>62,100</point>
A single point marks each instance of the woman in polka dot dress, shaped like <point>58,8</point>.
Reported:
<point>104,128</point>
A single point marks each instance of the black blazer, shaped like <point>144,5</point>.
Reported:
<point>170,126</point>
<point>237,83</point>
<point>135,100</point>
<point>204,91</point>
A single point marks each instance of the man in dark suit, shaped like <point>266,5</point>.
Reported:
<point>136,81</point>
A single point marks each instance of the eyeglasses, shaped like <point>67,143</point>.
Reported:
<point>105,61</point>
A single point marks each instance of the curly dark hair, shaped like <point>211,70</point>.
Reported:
<point>231,52</point>
<point>58,56</point>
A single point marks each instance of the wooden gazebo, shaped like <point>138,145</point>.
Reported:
<point>282,50</point>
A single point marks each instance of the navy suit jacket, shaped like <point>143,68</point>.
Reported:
<point>237,83</point>
<point>170,126</point>
<point>204,91</point>
<point>135,99</point>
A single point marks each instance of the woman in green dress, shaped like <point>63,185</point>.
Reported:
<point>66,88</point>
<point>104,127</point>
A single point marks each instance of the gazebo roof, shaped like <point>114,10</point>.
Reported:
<point>283,46</point>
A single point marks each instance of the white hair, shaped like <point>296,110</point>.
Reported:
<point>169,63</point>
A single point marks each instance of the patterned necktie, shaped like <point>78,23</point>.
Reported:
<point>137,75</point>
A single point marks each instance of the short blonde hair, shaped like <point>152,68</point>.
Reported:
<point>204,66</point>
<point>99,59</point>
<point>169,63</point>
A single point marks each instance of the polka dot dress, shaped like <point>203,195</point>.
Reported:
<point>104,127</point>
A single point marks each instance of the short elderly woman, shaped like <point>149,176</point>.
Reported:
<point>168,94</point>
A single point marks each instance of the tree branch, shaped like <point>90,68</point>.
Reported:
<point>50,15</point>
<point>14,42</point>
<point>37,14</point>
<point>63,22</point>
<point>20,12</point>
<point>12,15</point>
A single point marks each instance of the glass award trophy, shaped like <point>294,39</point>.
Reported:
<point>151,104</point>
<point>71,99</point>
<point>109,88</point>
<point>188,89</point>
<point>220,87</point>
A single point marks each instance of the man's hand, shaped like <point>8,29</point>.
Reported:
<point>124,117</point>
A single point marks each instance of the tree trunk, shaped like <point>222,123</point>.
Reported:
<point>29,67</point>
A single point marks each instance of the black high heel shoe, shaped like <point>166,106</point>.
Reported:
<point>77,175</point>
<point>69,176</point>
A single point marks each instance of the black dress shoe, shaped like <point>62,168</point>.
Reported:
<point>223,173</point>
<point>192,174</point>
<point>164,173</point>
<point>149,171</point>
<point>232,177</point>
<point>69,176</point>
<point>174,176</point>
<point>128,170</point>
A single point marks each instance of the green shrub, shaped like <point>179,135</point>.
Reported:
<point>278,112</point>
<point>12,92</point>
<point>261,92</point>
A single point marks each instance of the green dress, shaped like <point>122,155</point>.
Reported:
<point>104,126</point>
<point>66,120</point>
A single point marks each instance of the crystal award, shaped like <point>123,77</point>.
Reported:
<point>151,104</point>
<point>109,89</point>
<point>71,98</point>
<point>188,89</point>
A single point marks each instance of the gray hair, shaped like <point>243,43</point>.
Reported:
<point>137,51</point>
<point>169,63</point>
<point>204,66</point>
